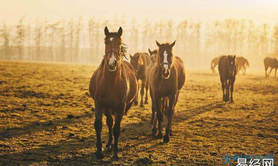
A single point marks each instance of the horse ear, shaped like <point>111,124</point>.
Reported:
<point>150,51</point>
<point>106,31</point>
<point>130,56</point>
<point>157,43</point>
<point>172,45</point>
<point>120,31</point>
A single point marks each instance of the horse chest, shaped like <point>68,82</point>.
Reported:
<point>111,93</point>
<point>166,87</point>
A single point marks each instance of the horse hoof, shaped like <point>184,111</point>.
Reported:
<point>166,139</point>
<point>141,105</point>
<point>99,155</point>
<point>154,132</point>
<point>108,148</point>
<point>171,134</point>
<point>159,135</point>
<point>135,102</point>
<point>115,157</point>
<point>146,102</point>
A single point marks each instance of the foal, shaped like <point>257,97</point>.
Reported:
<point>166,79</point>
<point>113,87</point>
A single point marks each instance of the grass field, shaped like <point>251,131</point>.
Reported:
<point>46,119</point>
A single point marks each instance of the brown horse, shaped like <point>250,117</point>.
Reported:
<point>167,77</point>
<point>113,87</point>
<point>153,55</point>
<point>241,64</point>
<point>227,71</point>
<point>141,62</point>
<point>271,63</point>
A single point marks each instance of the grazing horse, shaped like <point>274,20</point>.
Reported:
<point>141,62</point>
<point>227,71</point>
<point>241,64</point>
<point>113,86</point>
<point>153,55</point>
<point>167,77</point>
<point>214,63</point>
<point>271,63</point>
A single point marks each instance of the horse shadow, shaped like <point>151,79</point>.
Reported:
<point>37,126</point>
<point>50,153</point>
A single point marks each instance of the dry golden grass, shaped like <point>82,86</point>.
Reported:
<point>46,119</point>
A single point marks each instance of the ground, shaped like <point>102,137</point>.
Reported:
<point>46,119</point>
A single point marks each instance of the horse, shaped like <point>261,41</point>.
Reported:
<point>241,64</point>
<point>140,62</point>
<point>227,72</point>
<point>167,77</point>
<point>152,54</point>
<point>271,63</point>
<point>214,63</point>
<point>113,86</point>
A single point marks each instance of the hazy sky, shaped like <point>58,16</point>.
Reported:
<point>260,10</point>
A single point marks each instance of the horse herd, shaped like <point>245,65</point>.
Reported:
<point>114,85</point>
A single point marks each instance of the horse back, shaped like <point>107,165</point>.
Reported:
<point>271,62</point>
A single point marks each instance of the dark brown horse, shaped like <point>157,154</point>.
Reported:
<point>271,63</point>
<point>141,62</point>
<point>167,77</point>
<point>227,71</point>
<point>113,87</point>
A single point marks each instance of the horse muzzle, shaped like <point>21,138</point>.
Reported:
<point>166,71</point>
<point>112,66</point>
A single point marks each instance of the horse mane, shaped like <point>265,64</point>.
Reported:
<point>123,49</point>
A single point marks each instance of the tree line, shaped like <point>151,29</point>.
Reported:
<point>82,41</point>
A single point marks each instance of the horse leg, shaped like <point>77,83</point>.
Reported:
<point>227,90</point>
<point>154,123</point>
<point>266,71</point>
<point>244,70</point>
<point>154,117</point>
<point>223,89</point>
<point>142,92</point>
<point>159,117</point>
<point>136,97</point>
<point>109,122</point>
<point>147,91</point>
<point>270,71</point>
<point>169,112</point>
<point>232,90</point>
<point>116,132</point>
<point>98,128</point>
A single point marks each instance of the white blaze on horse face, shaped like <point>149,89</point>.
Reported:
<point>111,38</point>
<point>112,59</point>
<point>165,62</point>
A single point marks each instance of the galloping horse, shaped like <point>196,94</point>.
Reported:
<point>227,71</point>
<point>113,86</point>
<point>141,62</point>
<point>167,77</point>
<point>271,63</point>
